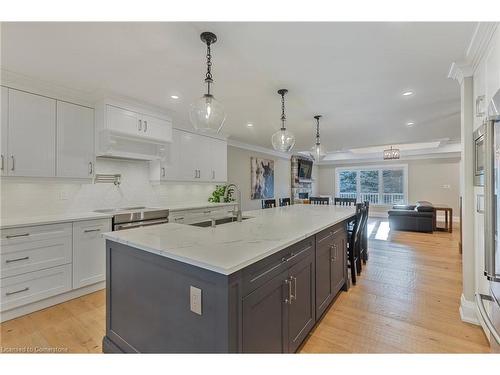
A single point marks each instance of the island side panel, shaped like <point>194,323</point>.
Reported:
<point>148,305</point>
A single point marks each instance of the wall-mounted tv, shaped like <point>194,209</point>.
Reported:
<point>305,169</point>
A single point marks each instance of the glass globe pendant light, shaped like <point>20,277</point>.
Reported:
<point>207,114</point>
<point>317,150</point>
<point>283,140</point>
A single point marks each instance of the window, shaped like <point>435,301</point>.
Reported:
<point>380,185</point>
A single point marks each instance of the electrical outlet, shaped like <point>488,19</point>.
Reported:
<point>195,299</point>
<point>63,195</point>
<point>446,186</point>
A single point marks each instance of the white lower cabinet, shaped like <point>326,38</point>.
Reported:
<point>34,286</point>
<point>63,261</point>
<point>89,252</point>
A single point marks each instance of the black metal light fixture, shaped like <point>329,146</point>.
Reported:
<point>392,154</point>
<point>207,114</point>
<point>317,150</point>
<point>283,140</point>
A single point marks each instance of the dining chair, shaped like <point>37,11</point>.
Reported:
<point>353,243</point>
<point>285,202</point>
<point>344,201</point>
<point>268,203</point>
<point>319,200</point>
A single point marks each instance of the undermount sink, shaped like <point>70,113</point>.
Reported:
<point>218,221</point>
<point>111,210</point>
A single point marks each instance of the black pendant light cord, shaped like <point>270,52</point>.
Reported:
<point>208,77</point>
<point>282,92</point>
<point>317,117</point>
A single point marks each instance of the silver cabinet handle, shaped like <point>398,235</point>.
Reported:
<point>17,235</point>
<point>17,291</point>
<point>178,219</point>
<point>2,163</point>
<point>16,260</point>
<point>199,173</point>
<point>140,125</point>
<point>145,126</point>
<point>91,168</point>
<point>294,295</point>
<point>91,230</point>
<point>195,173</point>
<point>486,318</point>
<point>213,175</point>
<point>288,300</point>
<point>163,171</point>
<point>13,163</point>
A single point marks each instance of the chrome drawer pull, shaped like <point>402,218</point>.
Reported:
<point>294,295</point>
<point>17,291</point>
<point>178,218</point>
<point>288,300</point>
<point>17,235</point>
<point>16,260</point>
<point>91,230</point>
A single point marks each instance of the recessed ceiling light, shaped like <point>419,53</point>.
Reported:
<point>410,124</point>
<point>174,96</point>
<point>408,93</point>
<point>250,124</point>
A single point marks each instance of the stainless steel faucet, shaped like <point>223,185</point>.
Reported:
<point>238,191</point>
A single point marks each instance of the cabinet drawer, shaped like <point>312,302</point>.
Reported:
<point>34,248</point>
<point>34,286</point>
<point>22,235</point>
<point>259,273</point>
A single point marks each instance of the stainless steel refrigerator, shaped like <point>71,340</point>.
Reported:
<point>490,311</point>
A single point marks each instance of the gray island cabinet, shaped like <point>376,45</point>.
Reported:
<point>269,306</point>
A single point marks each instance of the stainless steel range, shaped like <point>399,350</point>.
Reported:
<point>135,217</point>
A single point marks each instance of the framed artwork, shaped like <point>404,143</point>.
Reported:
<point>262,178</point>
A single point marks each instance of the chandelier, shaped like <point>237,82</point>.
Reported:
<point>392,153</point>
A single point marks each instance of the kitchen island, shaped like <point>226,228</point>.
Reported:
<point>259,285</point>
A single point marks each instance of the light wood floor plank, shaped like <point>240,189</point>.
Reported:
<point>406,301</point>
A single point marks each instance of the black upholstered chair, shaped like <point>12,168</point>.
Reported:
<point>344,201</point>
<point>285,202</point>
<point>268,203</point>
<point>319,200</point>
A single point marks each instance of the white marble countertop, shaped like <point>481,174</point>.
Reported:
<point>233,246</point>
<point>23,221</point>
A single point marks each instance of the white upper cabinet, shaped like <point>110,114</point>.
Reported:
<point>75,141</point>
<point>31,135</point>
<point>218,158</point>
<point>4,128</point>
<point>122,121</point>
<point>192,157</point>
<point>155,128</point>
<point>492,67</point>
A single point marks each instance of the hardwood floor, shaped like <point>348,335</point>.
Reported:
<point>406,300</point>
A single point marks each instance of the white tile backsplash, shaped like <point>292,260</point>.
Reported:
<point>38,197</point>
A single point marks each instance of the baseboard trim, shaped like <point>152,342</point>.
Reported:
<point>51,301</point>
<point>468,311</point>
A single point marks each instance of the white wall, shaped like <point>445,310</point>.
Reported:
<point>50,196</point>
<point>238,172</point>
<point>426,178</point>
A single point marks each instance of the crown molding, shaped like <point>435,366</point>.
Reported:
<point>479,43</point>
<point>260,149</point>
<point>483,33</point>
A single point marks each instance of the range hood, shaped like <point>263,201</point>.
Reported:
<point>117,145</point>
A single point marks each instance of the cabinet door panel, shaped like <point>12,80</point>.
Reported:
<point>89,252</point>
<point>123,121</point>
<point>301,317</point>
<point>75,140</point>
<point>170,168</point>
<point>338,262</point>
<point>324,292</point>
<point>218,153</point>
<point>190,153</point>
<point>31,135</point>
<point>4,126</point>
<point>264,317</point>
<point>156,128</point>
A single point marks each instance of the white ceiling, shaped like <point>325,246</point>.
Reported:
<point>351,73</point>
